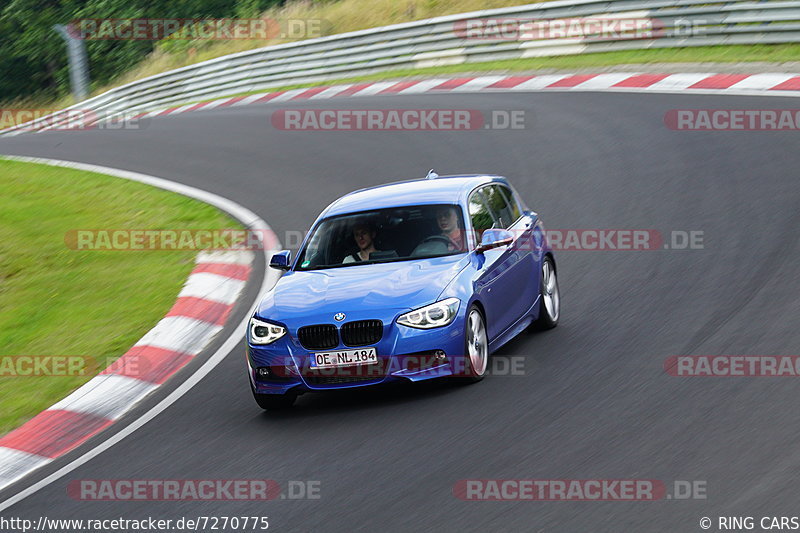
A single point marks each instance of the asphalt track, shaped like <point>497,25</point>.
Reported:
<point>594,400</point>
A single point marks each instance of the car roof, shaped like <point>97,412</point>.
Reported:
<point>441,190</point>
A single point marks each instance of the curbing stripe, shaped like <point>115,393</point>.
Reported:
<point>53,433</point>
<point>679,81</point>
<point>719,81</point>
<point>423,86</point>
<point>180,333</point>
<point>309,93</point>
<point>604,81</point>
<point>201,309</point>
<point>783,84</point>
<point>640,80</point>
<point>105,396</point>
<point>149,363</point>
<point>14,464</point>
<point>760,82</point>
<point>399,86</point>
<point>228,270</point>
<point>210,286</point>
<point>449,85</point>
<point>330,92</point>
<point>227,257</point>
<point>571,81</point>
<point>698,83</point>
<point>792,84</point>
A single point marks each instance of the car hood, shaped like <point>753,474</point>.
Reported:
<point>359,289</point>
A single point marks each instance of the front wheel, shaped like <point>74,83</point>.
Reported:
<point>476,341</point>
<point>549,296</point>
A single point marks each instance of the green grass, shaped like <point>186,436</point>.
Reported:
<point>97,304</point>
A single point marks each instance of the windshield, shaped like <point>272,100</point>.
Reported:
<point>385,235</point>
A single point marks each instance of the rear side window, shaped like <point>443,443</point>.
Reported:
<point>501,207</point>
<point>479,214</point>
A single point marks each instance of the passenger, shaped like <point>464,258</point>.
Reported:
<point>364,234</point>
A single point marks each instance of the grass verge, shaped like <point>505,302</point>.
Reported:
<point>55,301</point>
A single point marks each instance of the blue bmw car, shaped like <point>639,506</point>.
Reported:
<point>409,281</point>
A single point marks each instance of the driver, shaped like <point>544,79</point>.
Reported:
<point>364,234</point>
<point>447,219</point>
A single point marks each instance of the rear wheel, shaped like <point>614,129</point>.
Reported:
<point>476,341</point>
<point>549,296</point>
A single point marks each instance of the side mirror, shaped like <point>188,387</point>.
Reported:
<point>494,238</point>
<point>281,260</point>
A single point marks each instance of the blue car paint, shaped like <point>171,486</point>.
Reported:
<point>503,282</point>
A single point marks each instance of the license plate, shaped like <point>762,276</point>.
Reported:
<point>360,356</point>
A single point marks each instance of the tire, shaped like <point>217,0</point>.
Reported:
<point>274,402</point>
<point>549,296</point>
<point>476,346</point>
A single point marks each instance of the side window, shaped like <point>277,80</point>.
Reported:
<point>512,204</point>
<point>479,214</point>
<point>499,205</point>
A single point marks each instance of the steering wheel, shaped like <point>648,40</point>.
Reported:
<point>438,238</point>
<point>427,246</point>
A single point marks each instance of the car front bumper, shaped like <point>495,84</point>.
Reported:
<point>404,354</point>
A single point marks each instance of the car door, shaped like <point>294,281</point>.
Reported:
<point>501,276</point>
<point>522,278</point>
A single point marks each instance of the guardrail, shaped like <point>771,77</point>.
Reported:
<point>441,41</point>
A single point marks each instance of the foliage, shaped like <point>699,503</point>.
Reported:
<point>33,58</point>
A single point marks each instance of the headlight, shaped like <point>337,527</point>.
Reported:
<point>431,316</point>
<point>265,333</point>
